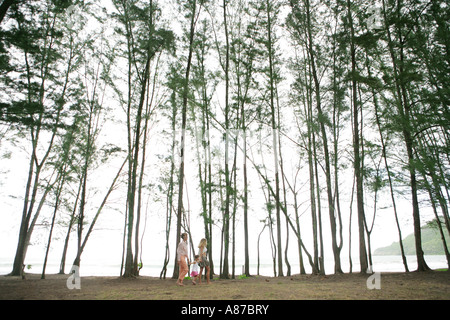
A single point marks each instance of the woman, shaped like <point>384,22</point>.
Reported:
<point>204,263</point>
<point>182,255</point>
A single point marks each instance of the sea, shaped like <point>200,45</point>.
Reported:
<point>153,268</point>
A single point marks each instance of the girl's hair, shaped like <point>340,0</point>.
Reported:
<point>183,234</point>
<point>202,243</point>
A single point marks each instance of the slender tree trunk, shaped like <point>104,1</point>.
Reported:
<point>99,210</point>
<point>225,271</point>
<point>245,200</point>
<point>183,131</point>
<point>274,136</point>
<point>356,150</point>
<point>83,199</point>
<point>69,230</point>
<point>312,188</point>
<point>61,180</point>
<point>169,198</point>
<point>331,209</point>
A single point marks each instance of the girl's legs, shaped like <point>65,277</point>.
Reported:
<point>194,278</point>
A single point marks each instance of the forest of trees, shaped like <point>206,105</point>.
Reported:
<point>331,110</point>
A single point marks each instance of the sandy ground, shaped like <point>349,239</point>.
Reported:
<point>433,285</point>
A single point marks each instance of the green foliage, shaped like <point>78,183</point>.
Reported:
<point>431,243</point>
<point>36,49</point>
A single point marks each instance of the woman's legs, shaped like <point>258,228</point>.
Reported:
<point>207,271</point>
<point>200,275</point>
<point>183,271</point>
<point>207,274</point>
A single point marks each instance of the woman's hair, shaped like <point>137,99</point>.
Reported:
<point>202,243</point>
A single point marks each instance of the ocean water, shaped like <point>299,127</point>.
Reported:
<point>153,268</point>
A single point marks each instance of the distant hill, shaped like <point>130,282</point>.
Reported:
<point>431,244</point>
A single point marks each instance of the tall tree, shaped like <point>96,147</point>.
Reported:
<point>304,10</point>
<point>266,21</point>
<point>192,8</point>
<point>43,98</point>
<point>400,75</point>
<point>356,145</point>
<point>205,81</point>
<point>225,271</point>
<point>143,42</point>
<point>174,83</point>
<point>243,54</point>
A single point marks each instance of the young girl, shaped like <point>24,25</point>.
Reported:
<point>204,263</point>
<point>194,272</point>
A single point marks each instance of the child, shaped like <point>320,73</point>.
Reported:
<point>194,272</point>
